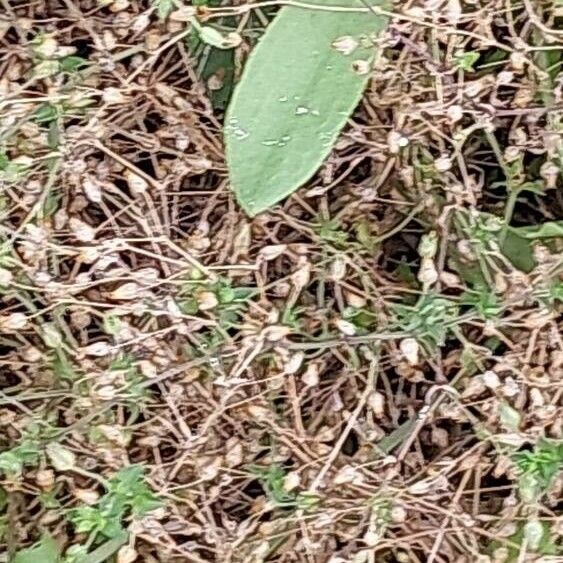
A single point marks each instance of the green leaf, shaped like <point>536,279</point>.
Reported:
<point>464,60</point>
<point>72,63</point>
<point>299,86</point>
<point>106,550</point>
<point>517,246</point>
<point>509,417</point>
<point>163,8</point>
<point>550,229</point>
<point>45,551</point>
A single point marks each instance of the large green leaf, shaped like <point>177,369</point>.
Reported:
<point>299,86</point>
<point>44,551</point>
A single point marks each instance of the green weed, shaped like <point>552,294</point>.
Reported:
<point>538,467</point>
<point>127,497</point>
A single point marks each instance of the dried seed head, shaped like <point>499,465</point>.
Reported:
<point>455,113</point>
<point>376,401</point>
<point>550,172</point>
<point>409,348</point>
<point>294,363</point>
<point>97,349</point>
<point>81,230</point>
<point>206,300</point>
<point>440,437</point>
<point>113,96</point>
<point>92,189</point>
<point>338,269</point>
<point>126,292</point>
<point>518,60</point>
<point>5,276</point>
<point>119,5</point>
<point>136,183</point>
<point>14,321</point>
<point>45,478</point>
<point>183,14</point>
<point>311,376</point>
<point>345,327</point>
<point>234,456</point>
<point>396,141</point>
<point>258,412</point>
<point>126,554</point>
<point>86,496</point>
<point>427,273</point>
<point>275,333</point>
<point>491,379</point>
<point>47,48</point>
<point>272,251</point>
<point>148,369</point>
<point>291,481</point>
<point>300,278</point>
<point>505,77</point>
<point>449,279</point>
<point>398,514</point>
<point>443,164</point>
<point>355,300</point>
<point>346,474</point>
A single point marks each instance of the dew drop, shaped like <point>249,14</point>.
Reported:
<point>301,110</point>
<point>283,99</point>
<point>286,138</point>
<point>269,143</point>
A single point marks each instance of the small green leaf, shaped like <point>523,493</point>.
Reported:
<point>550,229</point>
<point>163,8</point>
<point>106,550</point>
<point>464,60</point>
<point>44,551</point>
<point>72,63</point>
<point>510,418</point>
<point>298,89</point>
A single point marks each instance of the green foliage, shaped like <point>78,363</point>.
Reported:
<point>362,318</point>
<point>271,478</point>
<point>332,233</point>
<point>135,391</point>
<point>483,301</point>
<point>299,86</point>
<point>464,60</point>
<point>163,7</point>
<point>13,461</point>
<point>127,496</point>
<point>12,171</point>
<point>46,550</point>
<point>231,301</point>
<point>429,319</point>
<point>538,468</point>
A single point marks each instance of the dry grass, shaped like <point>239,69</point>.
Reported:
<point>255,367</point>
